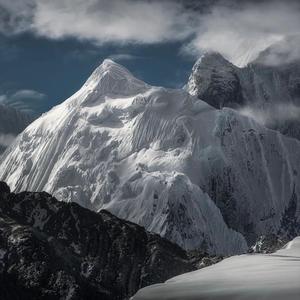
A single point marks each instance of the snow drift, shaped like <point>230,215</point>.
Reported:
<point>252,276</point>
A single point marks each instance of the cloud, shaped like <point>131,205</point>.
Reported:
<point>283,52</point>
<point>111,20</point>
<point>123,56</point>
<point>273,115</point>
<point>28,101</point>
<point>15,16</point>
<point>6,140</point>
<point>100,21</point>
<point>239,30</point>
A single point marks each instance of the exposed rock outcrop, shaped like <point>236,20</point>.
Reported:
<point>56,250</point>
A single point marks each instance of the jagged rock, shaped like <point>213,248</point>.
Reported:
<point>4,188</point>
<point>270,93</point>
<point>215,80</point>
<point>268,244</point>
<point>57,250</point>
<point>202,259</point>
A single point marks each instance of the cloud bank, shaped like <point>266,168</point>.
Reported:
<point>101,21</point>
<point>242,32</point>
<point>6,140</point>
<point>28,101</point>
<point>238,30</point>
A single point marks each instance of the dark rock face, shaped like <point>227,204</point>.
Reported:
<point>4,188</point>
<point>273,91</point>
<point>216,81</point>
<point>268,244</point>
<point>56,250</point>
<point>202,259</point>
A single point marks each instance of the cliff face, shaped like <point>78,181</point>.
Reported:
<point>269,93</point>
<point>57,250</point>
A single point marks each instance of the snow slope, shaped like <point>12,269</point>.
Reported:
<point>161,158</point>
<point>253,276</point>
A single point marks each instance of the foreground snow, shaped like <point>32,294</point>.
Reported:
<point>252,276</point>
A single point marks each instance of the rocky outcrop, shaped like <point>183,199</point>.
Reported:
<point>268,244</point>
<point>271,94</point>
<point>56,250</point>
<point>215,80</point>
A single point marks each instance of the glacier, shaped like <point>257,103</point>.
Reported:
<point>245,277</point>
<point>201,177</point>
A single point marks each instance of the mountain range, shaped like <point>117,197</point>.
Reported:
<point>167,160</point>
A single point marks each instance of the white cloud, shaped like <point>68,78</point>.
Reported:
<point>6,139</point>
<point>283,52</point>
<point>123,56</point>
<point>101,21</point>
<point>15,15</point>
<point>272,115</point>
<point>239,30</point>
<point>24,100</point>
<point>28,94</point>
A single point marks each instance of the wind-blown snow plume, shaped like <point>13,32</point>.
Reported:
<point>272,115</point>
<point>239,31</point>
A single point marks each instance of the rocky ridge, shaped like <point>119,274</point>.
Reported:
<point>57,250</point>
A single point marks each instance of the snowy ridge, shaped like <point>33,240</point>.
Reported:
<point>254,276</point>
<point>163,159</point>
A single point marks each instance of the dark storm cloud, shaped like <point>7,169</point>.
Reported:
<point>16,16</point>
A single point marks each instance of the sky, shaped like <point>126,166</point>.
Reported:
<point>48,48</point>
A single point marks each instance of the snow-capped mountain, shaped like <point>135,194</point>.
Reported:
<point>12,122</point>
<point>161,158</point>
<point>261,276</point>
<point>269,94</point>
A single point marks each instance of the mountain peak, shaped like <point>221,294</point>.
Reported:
<point>111,66</point>
<point>108,66</point>
<point>111,78</point>
<point>213,59</point>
